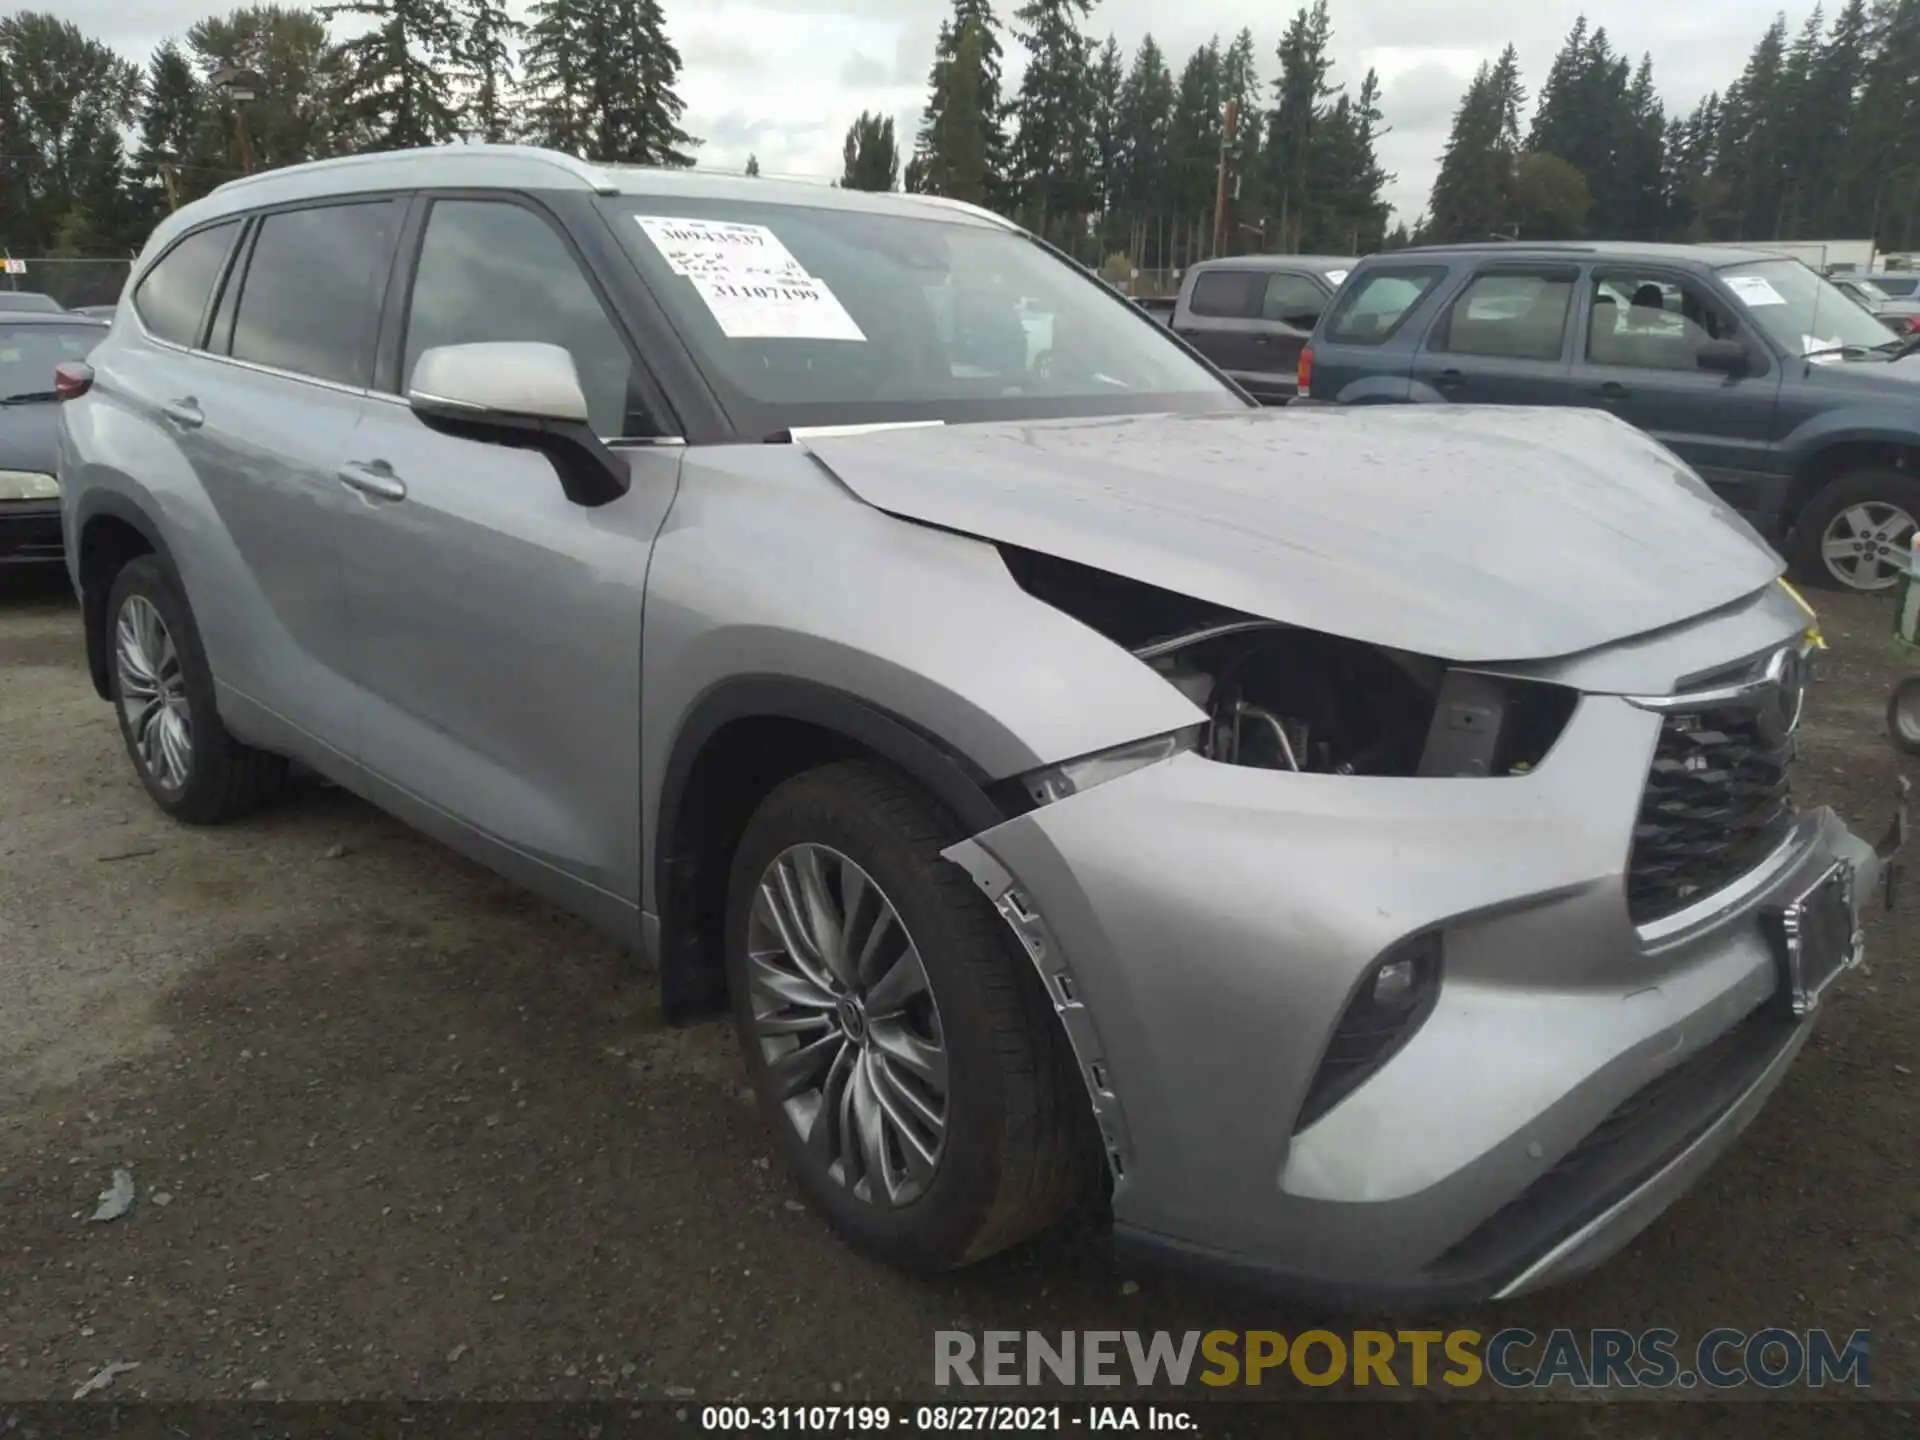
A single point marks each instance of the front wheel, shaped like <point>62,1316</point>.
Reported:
<point>901,1047</point>
<point>1857,533</point>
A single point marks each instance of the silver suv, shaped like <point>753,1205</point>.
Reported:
<point>1360,840</point>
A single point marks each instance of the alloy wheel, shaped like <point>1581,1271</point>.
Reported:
<point>847,1025</point>
<point>1865,546</point>
<point>153,693</point>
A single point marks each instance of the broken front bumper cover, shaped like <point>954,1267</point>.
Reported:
<point>1200,927</point>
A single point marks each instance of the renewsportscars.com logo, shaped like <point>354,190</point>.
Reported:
<point>1511,1359</point>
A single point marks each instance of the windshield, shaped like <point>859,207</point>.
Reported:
<point>28,354</point>
<point>1801,310</point>
<point>802,316</point>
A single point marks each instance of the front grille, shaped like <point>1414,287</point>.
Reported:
<point>1718,802</point>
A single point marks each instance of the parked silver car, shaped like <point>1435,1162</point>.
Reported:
<point>1362,839</point>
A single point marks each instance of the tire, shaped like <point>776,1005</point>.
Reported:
<point>216,778</point>
<point>1879,491</point>
<point>1903,716</point>
<point>1018,1148</point>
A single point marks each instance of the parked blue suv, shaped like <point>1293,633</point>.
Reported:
<point>1793,403</point>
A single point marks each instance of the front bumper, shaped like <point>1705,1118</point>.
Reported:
<point>30,532</point>
<point>1202,927</point>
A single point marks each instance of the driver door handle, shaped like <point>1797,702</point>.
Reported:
<point>1613,390</point>
<point>1448,380</point>
<point>186,413</point>
<point>374,478</point>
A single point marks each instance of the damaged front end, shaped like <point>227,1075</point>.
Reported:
<point>1351,1022</point>
<point>1278,697</point>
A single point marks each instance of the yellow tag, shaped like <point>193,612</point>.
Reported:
<point>1814,637</point>
<point>13,354</point>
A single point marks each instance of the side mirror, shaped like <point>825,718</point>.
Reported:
<point>1723,357</point>
<point>521,394</point>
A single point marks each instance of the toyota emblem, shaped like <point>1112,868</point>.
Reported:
<point>1777,714</point>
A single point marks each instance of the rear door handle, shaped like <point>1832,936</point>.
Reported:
<point>372,477</point>
<point>1613,390</point>
<point>186,413</point>
<point>1448,380</point>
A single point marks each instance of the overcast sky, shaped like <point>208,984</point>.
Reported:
<point>783,78</point>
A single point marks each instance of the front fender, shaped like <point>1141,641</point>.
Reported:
<point>768,569</point>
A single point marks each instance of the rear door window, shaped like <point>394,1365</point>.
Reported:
<point>172,296</point>
<point>1292,299</point>
<point>1227,294</point>
<point>1373,306</point>
<point>1512,315</point>
<point>309,299</point>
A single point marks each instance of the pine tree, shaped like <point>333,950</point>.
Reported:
<point>1193,151</point>
<point>1473,195</point>
<point>1749,146</point>
<point>1301,96</point>
<point>1146,123</point>
<point>488,38</point>
<point>961,147</point>
<point>169,122</point>
<point>871,156</point>
<point>1830,116</point>
<point>399,91</point>
<point>602,77</point>
<point>1109,180</point>
<point>1643,159</point>
<point>1240,87</point>
<point>1884,154</point>
<point>959,133</point>
<point>1053,147</point>
<point>753,167</point>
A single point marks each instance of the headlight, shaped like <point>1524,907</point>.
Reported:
<point>1057,782</point>
<point>28,485</point>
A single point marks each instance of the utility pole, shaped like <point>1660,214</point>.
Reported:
<point>1220,183</point>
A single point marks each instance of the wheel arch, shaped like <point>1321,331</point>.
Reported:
<point>1832,456</point>
<point>110,530</point>
<point>737,742</point>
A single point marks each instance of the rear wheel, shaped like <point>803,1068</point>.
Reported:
<point>1857,532</point>
<point>162,691</point>
<point>901,1047</point>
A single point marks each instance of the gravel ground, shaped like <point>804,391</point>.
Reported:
<point>398,1130</point>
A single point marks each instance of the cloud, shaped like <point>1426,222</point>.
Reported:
<point>784,78</point>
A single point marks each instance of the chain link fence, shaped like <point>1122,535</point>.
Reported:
<point>73,282</point>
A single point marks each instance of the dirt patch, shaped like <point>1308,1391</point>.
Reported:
<point>421,1136</point>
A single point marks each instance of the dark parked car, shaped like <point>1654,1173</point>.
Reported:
<point>1251,315</point>
<point>1797,406</point>
<point>29,302</point>
<point>31,345</point>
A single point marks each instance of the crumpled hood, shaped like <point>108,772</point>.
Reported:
<point>1463,533</point>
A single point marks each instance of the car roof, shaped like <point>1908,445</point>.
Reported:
<point>1320,263</point>
<point>51,317</point>
<point>1713,257</point>
<point>527,167</point>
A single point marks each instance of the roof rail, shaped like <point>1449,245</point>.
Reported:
<point>588,174</point>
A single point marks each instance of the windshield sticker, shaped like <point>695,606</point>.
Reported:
<point>1337,277</point>
<point>1755,290</point>
<point>749,281</point>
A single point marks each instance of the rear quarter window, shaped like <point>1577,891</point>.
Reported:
<point>172,296</point>
<point>1371,307</point>
<point>1227,294</point>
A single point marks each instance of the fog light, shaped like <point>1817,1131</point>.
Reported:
<point>1388,1006</point>
<point>1392,981</point>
